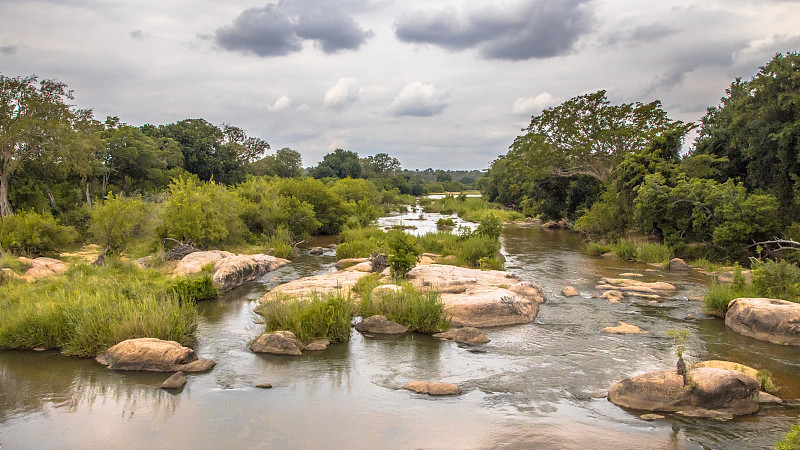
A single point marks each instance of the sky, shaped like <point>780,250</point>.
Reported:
<point>436,83</point>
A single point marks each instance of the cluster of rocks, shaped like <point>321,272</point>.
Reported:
<point>560,225</point>
<point>616,288</point>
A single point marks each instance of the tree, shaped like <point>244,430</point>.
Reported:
<point>34,120</point>
<point>380,166</point>
<point>339,164</point>
<point>587,135</point>
<point>211,152</point>
<point>756,130</point>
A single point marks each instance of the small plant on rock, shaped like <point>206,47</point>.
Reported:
<point>679,342</point>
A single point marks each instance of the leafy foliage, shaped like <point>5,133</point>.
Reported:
<point>403,253</point>
<point>119,221</point>
<point>31,234</point>
<point>319,316</point>
<point>419,311</point>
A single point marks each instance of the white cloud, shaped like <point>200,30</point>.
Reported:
<point>282,103</point>
<point>534,105</point>
<point>343,93</point>
<point>418,99</point>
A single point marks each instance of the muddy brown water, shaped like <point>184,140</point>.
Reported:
<point>532,386</point>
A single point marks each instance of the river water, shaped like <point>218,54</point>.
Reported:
<point>533,386</point>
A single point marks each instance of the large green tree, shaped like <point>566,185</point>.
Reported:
<point>339,164</point>
<point>756,130</point>
<point>35,122</point>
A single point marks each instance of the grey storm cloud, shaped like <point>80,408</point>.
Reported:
<point>280,29</point>
<point>532,29</point>
<point>8,49</point>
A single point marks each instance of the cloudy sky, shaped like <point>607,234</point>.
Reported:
<point>435,83</point>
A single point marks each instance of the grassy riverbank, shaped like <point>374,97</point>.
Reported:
<point>89,309</point>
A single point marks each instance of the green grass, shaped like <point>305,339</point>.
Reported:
<point>89,309</point>
<point>280,244</point>
<point>326,316</point>
<point>626,249</point>
<point>771,279</point>
<point>361,242</point>
<point>595,249</point>
<point>654,253</point>
<point>419,311</point>
<point>9,261</point>
<point>473,209</point>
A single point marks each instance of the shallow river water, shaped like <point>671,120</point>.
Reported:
<point>532,386</point>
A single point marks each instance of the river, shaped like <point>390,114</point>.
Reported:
<point>533,386</point>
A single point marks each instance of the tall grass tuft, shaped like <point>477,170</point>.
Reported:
<point>89,309</point>
<point>626,249</point>
<point>654,253</point>
<point>326,316</point>
<point>421,311</point>
<point>595,249</point>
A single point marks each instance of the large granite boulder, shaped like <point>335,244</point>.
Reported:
<point>230,270</point>
<point>765,319</point>
<point>153,355</point>
<point>42,267</point>
<point>480,298</point>
<point>238,269</point>
<point>707,392</point>
<point>328,282</point>
<point>380,325</point>
<point>278,343</point>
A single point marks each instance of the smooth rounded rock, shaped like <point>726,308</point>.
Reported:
<point>723,391</point>
<point>432,388</point>
<point>569,291</point>
<point>623,328</point>
<point>318,345</point>
<point>176,381</point>
<point>264,386</point>
<point>677,264</point>
<point>278,343</point>
<point>379,324</point>
<point>765,319</point>
<point>153,355</point>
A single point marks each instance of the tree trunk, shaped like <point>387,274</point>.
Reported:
<point>5,207</point>
<point>88,199</point>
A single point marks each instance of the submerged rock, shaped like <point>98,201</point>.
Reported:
<point>278,343</point>
<point>318,345</point>
<point>623,328</point>
<point>153,355</point>
<point>176,381</point>
<point>651,417</point>
<point>316,251</point>
<point>379,324</point>
<point>432,388</point>
<point>705,389</point>
<point>765,319</point>
<point>569,291</point>
<point>264,386</point>
<point>465,335</point>
<point>613,296</point>
<point>480,298</point>
<point>635,286</point>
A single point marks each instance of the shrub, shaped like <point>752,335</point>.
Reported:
<point>118,221</point>
<point>30,233</point>
<point>479,251</point>
<point>626,249</point>
<point>194,289</point>
<point>776,279</point>
<point>718,296</point>
<point>490,227</point>
<point>205,214</point>
<point>361,242</point>
<point>419,311</point>
<point>791,440</point>
<point>326,316</point>
<point>403,253</point>
<point>280,244</point>
<point>445,222</point>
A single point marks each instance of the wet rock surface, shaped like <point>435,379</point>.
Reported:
<point>432,388</point>
<point>623,328</point>
<point>230,270</point>
<point>176,381</point>
<point>765,319</point>
<point>465,335</point>
<point>569,291</point>
<point>153,355</point>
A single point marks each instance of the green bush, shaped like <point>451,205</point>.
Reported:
<point>403,253</point>
<point>626,249</point>
<point>791,440</point>
<point>490,226</point>
<point>205,214</point>
<point>194,289</point>
<point>89,309</point>
<point>361,242</point>
<point>479,251</point>
<point>419,311</point>
<point>718,296</point>
<point>654,253</point>
<point>776,279</point>
<point>280,244</point>
<point>445,222</point>
<point>326,316</point>
<point>31,234</point>
<point>117,222</point>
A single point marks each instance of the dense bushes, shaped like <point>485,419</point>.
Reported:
<point>403,253</point>
<point>119,221</point>
<point>772,279</point>
<point>30,233</point>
